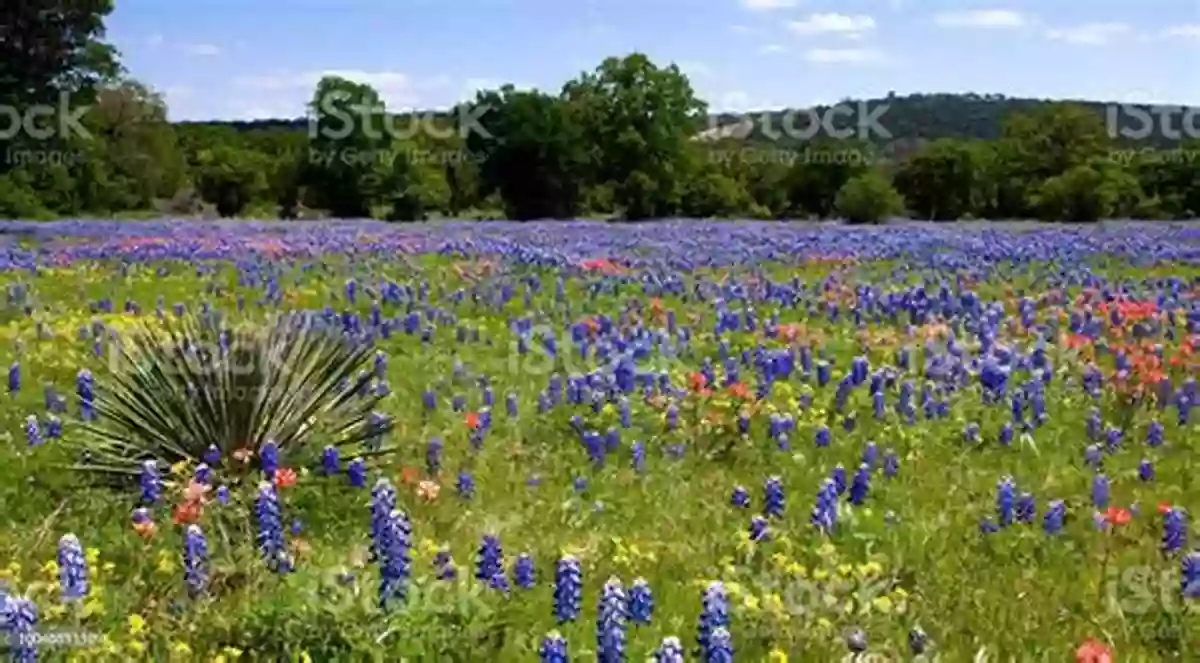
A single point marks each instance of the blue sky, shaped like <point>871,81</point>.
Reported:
<point>261,58</point>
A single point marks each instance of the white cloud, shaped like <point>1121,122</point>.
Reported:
<point>980,18</point>
<point>844,56</point>
<point>768,5</point>
<point>844,24</point>
<point>772,48</point>
<point>1185,30</point>
<point>1090,34</point>
<point>201,49</point>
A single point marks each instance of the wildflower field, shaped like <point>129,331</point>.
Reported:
<point>573,441</point>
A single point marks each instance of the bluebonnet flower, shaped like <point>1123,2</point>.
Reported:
<point>1091,455</point>
<point>203,474</point>
<point>383,502</point>
<point>331,462</point>
<point>524,573</point>
<point>568,589</point>
<point>891,464</point>
<point>72,568</point>
<point>611,614</point>
<point>639,456</point>
<point>1100,491</point>
<point>579,484</point>
<point>714,616</point>
<point>773,497</point>
<point>433,456</point>
<point>824,514</point>
<point>1189,584</point>
<point>465,486</point>
<point>223,494</point>
<point>1006,435</point>
<point>14,377</point>
<point>670,651</point>
<point>270,529</point>
<point>268,457</point>
<point>758,529</point>
<point>1155,434</point>
<point>839,478</point>
<point>151,482</point>
<point>1146,470</point>
<point>641,602</point>
<point>33,435</point>
<point>971,433</point>
<point>1175,530</point>
<point>1004,501</point>
<point>861,485</point>
<point>54,427</point>
<point>553,649</point>
<point>1056,513</point>
<point>720,647</point>
<point>510,404</point>
<point>393,542</point>
<point>20,622</point>
<point>195,560</point>
<point>1026,508</point>
<point>870,455</point>
<point>212,456</point>
<point>490,561</point>
<point>988,526</point>
<point>740,497</point>
<point>443,564</point>
<point>356,473</point>
<point>85,389</point>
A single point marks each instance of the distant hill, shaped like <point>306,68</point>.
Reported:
<point>910,119</point>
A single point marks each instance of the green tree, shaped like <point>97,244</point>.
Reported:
<point>639,119</point>
<point>868,198</point>
<point>531,152</point>
<point>819,172</point>
<point>231,177</point>
<point>942,182</point>
<point>1083,193</point>
<point>347,147</point>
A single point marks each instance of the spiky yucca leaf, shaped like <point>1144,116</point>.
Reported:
<point>179,388</point>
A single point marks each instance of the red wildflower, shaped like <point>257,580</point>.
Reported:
<point>187,512</point>
<point>1117,515</point>
<point>739,390</point>
<point>1093,651</point>
<point>697,381</point>
<point>472,420</point>
<point>1164,507</point>
<point>409,475</point>
<point>285,477</point>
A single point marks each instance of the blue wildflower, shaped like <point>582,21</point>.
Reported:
<point>524,573</point>
<point>33,434</point>
<point>641,602</point>
<point>1100,491</point>
<point>611,615</point>
<point>714,615</point>
<point>356,473</point>
<point>151,482</point>
<point>465,485</point>
<point>1146,470</point>
<point>553,649</point>
<point>72,568</point>
<point>1175,530</point>
<point>270,529</point>
<point>568,589</point>
<point>1056,513</point>
<point>195,560</point>
<point>1004,501</point>
<point>670,651</point>
<point>740,497</point>
<point>1026,508</point>
<point>758,529</point>
<point>720,647</point>
<point>773,497</point>
<point>891,464</point>
<point>20,622</point>
<point>331,462</point>
<point>861,485</point>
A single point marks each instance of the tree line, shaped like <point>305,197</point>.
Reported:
<point>628,140</point>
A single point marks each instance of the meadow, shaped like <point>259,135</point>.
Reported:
<point>669,441</point>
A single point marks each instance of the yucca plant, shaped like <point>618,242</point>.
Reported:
<point>179,388</point>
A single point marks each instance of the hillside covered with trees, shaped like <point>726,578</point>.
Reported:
<point>628,140</point>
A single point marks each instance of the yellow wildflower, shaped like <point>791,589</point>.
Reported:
<point>166,563</point>
<point>774,604</point>
<point>305,658</point>
<point>777,656</point>
<point>179,468</point>
<point>93,606</point>
<point>824,624</point>
<point>796,569</point>
<point>92,555</point>
<point>136,646</point>
<point>882,604</point>
<point>108,567</point>
<point>751,602</point>
<point>827,550</point>
<point>780,560</point>
<point>181,648</point>
<point>50,569</point>
<point>870,569</point>
<point>845,570</point>
<point>137,625</point>
<point>820,574</point>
